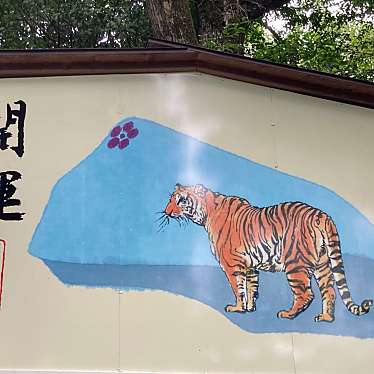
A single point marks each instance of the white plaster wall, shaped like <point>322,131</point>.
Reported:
<point>45,325</point>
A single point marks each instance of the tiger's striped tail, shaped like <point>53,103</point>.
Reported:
<point>336,261</point>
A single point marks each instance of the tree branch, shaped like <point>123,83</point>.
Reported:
<point>276,36</point>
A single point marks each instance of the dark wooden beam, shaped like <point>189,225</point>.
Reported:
<point>83,62</point>
<point>173,57</point>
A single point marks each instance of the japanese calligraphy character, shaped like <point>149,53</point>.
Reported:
<point>7,190</point>
<point>14,117</point>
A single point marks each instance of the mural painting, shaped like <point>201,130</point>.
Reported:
<point>294,237</point>
<point>152,208</point>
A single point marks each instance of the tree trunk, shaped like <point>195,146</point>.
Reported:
<point>171,20</point>
<point>250,9</point>
<point>210,18</point>
<point>258,8</point>
<point>214,15</point>
<point>234,12</point>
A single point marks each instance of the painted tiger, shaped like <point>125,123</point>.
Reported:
<point>292,237</point>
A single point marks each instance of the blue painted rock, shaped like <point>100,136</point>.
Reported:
<point>101,225</point>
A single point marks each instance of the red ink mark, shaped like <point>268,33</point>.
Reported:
<point>133,133</point>
<point>113,142</point>
<point>128,126</point>
<point>2,269</point>
<point>124,143</point>
<point>121,135</point>
<point>116,131</point>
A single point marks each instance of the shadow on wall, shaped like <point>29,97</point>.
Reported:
<point>100,227</point>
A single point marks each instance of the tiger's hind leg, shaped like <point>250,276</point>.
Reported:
<point>325,281</point>
<point>252,289</point>
<point>299,281</point>
<point>237,279</point>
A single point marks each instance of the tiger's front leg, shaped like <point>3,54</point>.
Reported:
<point>252,289</point>
<point>238,281</point>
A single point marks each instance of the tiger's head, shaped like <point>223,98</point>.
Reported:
<point>188,202</point>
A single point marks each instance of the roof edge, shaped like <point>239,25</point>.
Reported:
<point>174,57</point>
<point>164,44</point>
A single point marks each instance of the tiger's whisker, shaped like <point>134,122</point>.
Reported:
<point>179,221</point>
<point>160,218</point>
<point>162,228</point>
<point>164,222</point>
<point>186,221</point>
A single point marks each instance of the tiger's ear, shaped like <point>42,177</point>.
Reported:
<point>200,190</point>
<point>178,186</point>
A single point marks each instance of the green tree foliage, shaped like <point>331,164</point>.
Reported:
<point>72,24</point>
<point>329,36</point>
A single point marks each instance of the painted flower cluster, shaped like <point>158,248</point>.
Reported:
<point>121,135</point>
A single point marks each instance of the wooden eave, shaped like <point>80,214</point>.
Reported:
<point>165,57</point>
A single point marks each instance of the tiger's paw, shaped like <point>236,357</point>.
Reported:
<point>285,314</point>
<point>234,308</point>
<point>324,317</point>
<point>251,308</point>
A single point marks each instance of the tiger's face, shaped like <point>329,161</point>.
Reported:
<point>188,202</point>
